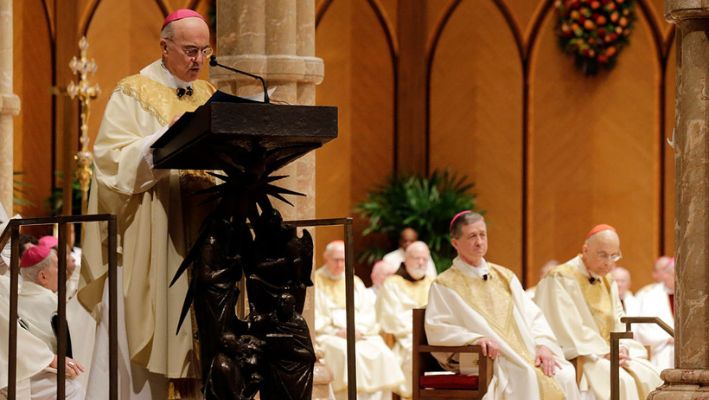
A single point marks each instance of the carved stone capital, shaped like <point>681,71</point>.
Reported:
<point>273,68</point>
<point>678,10</point>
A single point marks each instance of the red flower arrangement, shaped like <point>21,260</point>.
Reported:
<point>594,31</point>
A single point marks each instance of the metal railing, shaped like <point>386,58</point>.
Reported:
<point>615,347</point>
<point>12,232</point>
<point>346,224</point>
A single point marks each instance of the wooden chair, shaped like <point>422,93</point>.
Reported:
<point>423,361</point>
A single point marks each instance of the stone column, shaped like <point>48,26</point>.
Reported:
<point>690,378</point>
<point>9,105</point>
<point>275,39</point>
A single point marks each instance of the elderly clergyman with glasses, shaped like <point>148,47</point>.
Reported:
<point>149,203</point>
<point>581,303</point>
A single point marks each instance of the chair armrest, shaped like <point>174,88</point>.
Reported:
<point>470,348</point>
<point>421,347</point>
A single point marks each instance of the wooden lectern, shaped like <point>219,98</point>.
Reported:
<point>289,131</point>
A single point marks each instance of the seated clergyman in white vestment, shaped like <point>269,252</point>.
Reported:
<point>154,217</point>
<point>398,295</point>
<point>396,257</point>
<point>581,303</point>
<point>36,363</point>
<point>83,324</point>
<point>37,310</point>
<point>381,270</point>
<point>378,371</point>
<point>658,301</point>
<point>477,302</point>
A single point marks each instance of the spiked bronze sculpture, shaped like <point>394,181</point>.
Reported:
<point>269,350</point>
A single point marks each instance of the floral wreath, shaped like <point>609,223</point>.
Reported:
<point>594,31</point>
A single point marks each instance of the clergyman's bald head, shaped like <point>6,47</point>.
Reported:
<point>601,250</point>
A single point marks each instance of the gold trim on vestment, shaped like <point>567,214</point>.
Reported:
<point>492,299</point>
<point>597,296</point>
<point>417,291</point>
<point>161,101</point>
<point>334,289</point>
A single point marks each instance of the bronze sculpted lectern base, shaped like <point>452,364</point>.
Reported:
<point>269,350</point>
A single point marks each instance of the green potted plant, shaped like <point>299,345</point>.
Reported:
<point>19,190</point>
<point>55,201</point>
<point>425,204</point>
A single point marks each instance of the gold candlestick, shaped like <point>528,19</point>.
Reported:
<point>86,92</point>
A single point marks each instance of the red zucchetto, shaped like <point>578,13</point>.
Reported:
<point>48,241</point>
<point>34,255</point>
<point>599,228</point>
<point>181,14</point>
<point>460,214</point>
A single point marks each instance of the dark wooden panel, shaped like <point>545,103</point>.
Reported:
<point>411,89</point>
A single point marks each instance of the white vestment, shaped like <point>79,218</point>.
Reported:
<point>630,305</point>
<point>654,302</point>
<point>151,232</point>
<point>582,315</point>
<point>377,369</point>
<point>37,305</point>
<point>455,320</point>
<point>396,299</point>
<point>396,257</point>
<point>35,381</point>
<point>530,292</point>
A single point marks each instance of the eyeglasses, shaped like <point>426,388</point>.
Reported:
<point>194,51</point>
<point>609,257</point>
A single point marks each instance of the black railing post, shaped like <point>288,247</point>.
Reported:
<point>61,311</point>
<point>12,321</point>
<point>112,308</point>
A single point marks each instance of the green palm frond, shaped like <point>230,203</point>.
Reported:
<point>19,190</point>
<point>425,204</point>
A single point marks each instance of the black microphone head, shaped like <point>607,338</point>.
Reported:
<point>213,60</point>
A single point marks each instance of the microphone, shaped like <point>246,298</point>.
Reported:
<point>213,62</point>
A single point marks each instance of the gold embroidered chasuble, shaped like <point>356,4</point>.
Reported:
<point>330,305</point>
<point>377,367</point>
<point>492,299</point>
<point>417,291</point>
<point>597,296</point>
<point>395,299</point>
<point>153,216</point>
<point>161,101</point>
<point>334,289</point>
<point>582,316</point>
